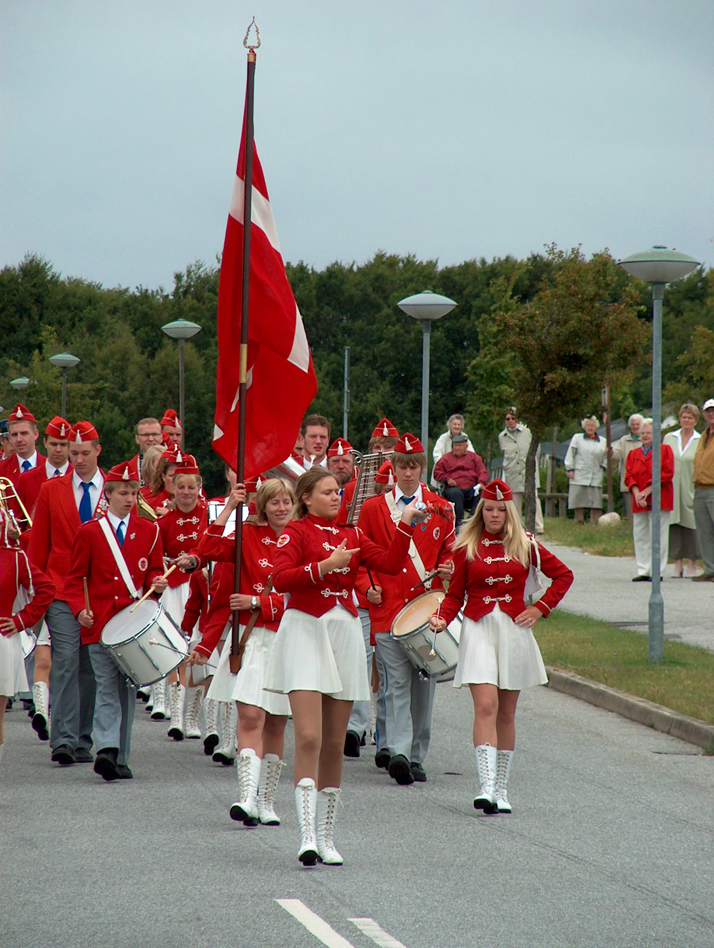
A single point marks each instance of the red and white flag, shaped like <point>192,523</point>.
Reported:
<point>281,380</point>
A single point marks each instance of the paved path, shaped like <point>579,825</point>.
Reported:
<point>609,845</point>
<point>603,589</point>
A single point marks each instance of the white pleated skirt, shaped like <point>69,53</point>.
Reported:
<point>248,686</point>
<point>199,673</point>
<point>324,654</point>
<point>494,650</point>
<point>12,666</point>
<point>174,600</point>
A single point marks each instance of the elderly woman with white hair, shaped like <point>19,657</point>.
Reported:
<point>682,527</point>
<point>584,465</point>
<point>620,449</point>
<point>638,477</point>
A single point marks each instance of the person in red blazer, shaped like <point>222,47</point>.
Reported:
<point>383,439</point>
<point>408,698</point>
<point>92,558</point>
<point>22,426</point>
<point>56,443</point>
<point>498,655</point>
<point>638,480</point>
<point>63,505</point>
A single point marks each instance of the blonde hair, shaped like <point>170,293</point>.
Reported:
<point>516,544</point>
<point>197,478</point>
<point>691,410</point>
<point>269,489</point>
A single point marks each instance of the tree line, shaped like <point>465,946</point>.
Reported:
<point>541,333</point>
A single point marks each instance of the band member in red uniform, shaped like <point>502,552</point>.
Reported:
<point>181,529</point>
<point>63,505</point>
<point>95,559</point>
<point>318,655</point>
<point>22,425</point>
<point>56,464</point>
<point>383,439</point>
<point>161,481</point>
<point>498,655</point>
<point>148,435</point>
<point>408,698</point>
<point>262,715</point>
<point>171,426</point>
<point>16,574</point>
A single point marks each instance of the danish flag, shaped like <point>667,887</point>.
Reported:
<point>281,380</point>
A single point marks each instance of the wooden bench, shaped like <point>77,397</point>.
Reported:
<point>550,498</point>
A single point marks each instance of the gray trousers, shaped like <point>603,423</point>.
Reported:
<point>114,706</point>
<point>409,702</point>
<point>72,685</point>
<point>704,519</point>
<point>359,719</point>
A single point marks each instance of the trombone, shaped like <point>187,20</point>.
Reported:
<point>8,495</point>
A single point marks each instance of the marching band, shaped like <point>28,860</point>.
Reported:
<point>355,597</point>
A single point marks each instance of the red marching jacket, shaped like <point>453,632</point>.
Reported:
<point>14,575</point>
<point>492,578</point>
<point>305,543</point>
<point>219,610</point>
<point>638,473</point>
<point>10,467</point>
<point>433,539</point>
<point>197,602</point>
<point>180,533</point>
<point>92,557</point>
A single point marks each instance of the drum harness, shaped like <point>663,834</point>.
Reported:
<point>413,552</point>
<point>118,557</point>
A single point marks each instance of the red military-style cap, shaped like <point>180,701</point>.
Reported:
<point>385,475</point>
<point>409,444</point>
<point>385,429</point>
<point>186,465</point>
<point>58,428</point>
<point>339,447</point>
<point>20,413</point>
<point>171,418</point>
<point>497,490</point>
<point>83,431</point>
<point>125,471</point>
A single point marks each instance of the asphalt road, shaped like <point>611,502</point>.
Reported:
<point>610,844</point>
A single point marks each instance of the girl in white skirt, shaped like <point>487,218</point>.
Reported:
<point>318,656</point>
<point>498,654</point>
<point>262,715</point>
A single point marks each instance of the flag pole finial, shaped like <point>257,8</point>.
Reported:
<point>248,45</point>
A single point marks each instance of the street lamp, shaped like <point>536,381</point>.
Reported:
<point>182,330</point>
<point>64,361</point>
<point>21,383</point>
<point>657,266</point>
<point>426,307</point>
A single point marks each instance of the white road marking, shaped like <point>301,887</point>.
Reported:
<point>378,935</point>
<point>314,924</point>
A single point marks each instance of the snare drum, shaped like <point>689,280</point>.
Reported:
<point>411,629</point>
<point>146,644</point>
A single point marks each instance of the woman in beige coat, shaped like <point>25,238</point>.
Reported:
<point>682,528</point>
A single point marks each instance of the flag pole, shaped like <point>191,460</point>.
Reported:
<point>243,355</point>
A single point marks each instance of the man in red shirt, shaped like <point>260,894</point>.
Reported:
<point>460,471</point>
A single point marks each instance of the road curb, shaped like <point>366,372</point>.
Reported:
<point>644,712</point>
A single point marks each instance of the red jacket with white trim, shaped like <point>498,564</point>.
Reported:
<point>14,575</point>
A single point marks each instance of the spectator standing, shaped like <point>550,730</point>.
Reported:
<point>704,493</point>
<point>445,441</point>
<point>460,471</point>
<point>620,450</point>
<point>514,441</point>
<point>638,477</point>
<point>584,465</point>
<point>682,526</point>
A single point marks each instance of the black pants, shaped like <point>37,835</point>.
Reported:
<point>460,499</point>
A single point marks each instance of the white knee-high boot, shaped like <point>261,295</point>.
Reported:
<point>210,738</point>
<point>149,706</point>
<point>486,768</point>
<point>194,700</point>
<point>245,808</point>
<point>270,767</point>
<point>503,769</point>
<point>327,801</point>
<point>41,717</point>
<point>225,753</point>
<point>306,806</point>
<point>161,705</point>
<point>177,696</point>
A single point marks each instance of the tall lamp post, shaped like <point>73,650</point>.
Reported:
<point>64,361</point>
<point>426,307</point>
<point>182,330</point>
<point>657,266</point>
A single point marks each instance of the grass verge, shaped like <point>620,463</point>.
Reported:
<point>682,682</point>
<point>600,541</point>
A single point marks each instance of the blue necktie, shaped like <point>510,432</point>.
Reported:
<point>26,466</point>
<point>120,533</point>
<point>408,500</point>
<point>85,505</point>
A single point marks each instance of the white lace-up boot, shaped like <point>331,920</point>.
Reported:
<point>194,700</point>
<point>486,768</point>
<point>149,706</point>
<point>248,773</point>
<point>161,708</point>
<point>210,713</point>
<point>177,696</point>
<point>327,801</point>
<point>41,717</point>
<point>306,805</point>
<point>503,769</point>
<point>270,767</point>
<point>225,753</point>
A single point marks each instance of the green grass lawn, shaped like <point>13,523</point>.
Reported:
<point>601,541</point>
<point>683,681</point>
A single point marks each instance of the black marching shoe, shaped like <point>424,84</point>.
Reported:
<point>641,579</point>
<point>123,772</point>
<point>418,772</point>
<point>382,758</point>
<point>400,770</point>
<point>106,763</point>
<point>63,755</point>
<point>352,744</point>
<point>83,755</point>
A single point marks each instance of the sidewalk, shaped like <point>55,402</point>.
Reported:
<point>603,589</point>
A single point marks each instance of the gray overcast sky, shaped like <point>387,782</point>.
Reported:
<point>450,130</point>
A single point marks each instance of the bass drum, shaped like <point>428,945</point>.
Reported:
<point>145,644</point>
<point>411,629</point>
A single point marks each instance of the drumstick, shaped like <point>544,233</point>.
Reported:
<point>432,653</point>
<point>87,608</point>
<point>146,595</point>
<point>426,579</point>
<point>371,579</point>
